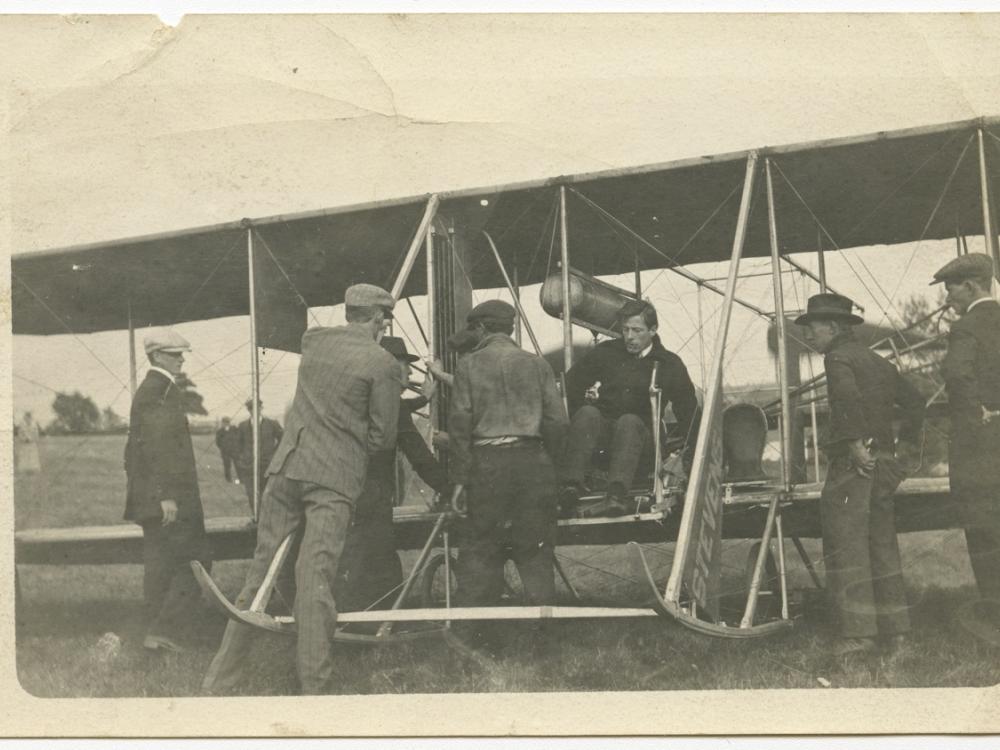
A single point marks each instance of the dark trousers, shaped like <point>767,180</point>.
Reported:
<point>370,570</point>
<point>324,517</point>
<point>979,508</point>
<point>860,551</point>
<point>169,588</point>
<point>511,514</point>
<point>624,438</point>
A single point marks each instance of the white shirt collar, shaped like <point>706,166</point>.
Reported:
<point>163,372</point>
<point>645,351</point>
<point>981,299</point>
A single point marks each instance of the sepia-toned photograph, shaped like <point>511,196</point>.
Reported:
<point>580,357</point>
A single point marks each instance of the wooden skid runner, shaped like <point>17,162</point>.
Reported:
<point>673,611</point>
<point>286,623</point>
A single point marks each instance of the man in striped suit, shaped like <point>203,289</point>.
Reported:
<point>345,409</point>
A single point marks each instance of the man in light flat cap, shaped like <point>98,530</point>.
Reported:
<point>507,427</point>
<point>971,372</point>
<point>345,410</point>
<point>860,550</point>
<point>162,493</point>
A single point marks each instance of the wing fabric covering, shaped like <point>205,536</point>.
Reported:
<point>882,189</point>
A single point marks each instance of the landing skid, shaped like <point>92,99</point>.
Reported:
<point>673,611</point>
<point>286,625</point>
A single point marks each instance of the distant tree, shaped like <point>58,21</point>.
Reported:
<point>191,398</point>
<point>111,421</point>
<point>75,414</point>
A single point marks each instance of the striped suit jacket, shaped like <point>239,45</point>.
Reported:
<point>345,409</point>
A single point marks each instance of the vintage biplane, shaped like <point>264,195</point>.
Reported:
<point>791,205</point>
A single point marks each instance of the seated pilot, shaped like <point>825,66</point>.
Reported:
<point>608,396</point>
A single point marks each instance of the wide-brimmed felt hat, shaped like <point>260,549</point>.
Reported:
<point>964,267</point>
<point>829,306</point>
<point>397,348</point>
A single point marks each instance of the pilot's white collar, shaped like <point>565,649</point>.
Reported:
<point>973,304</point>
<point>164,372</point>
<point>645,352</point>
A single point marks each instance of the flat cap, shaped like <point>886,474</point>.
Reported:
<point>493,309</point>
<point>462,341</point>
<point>971,266</point>
<point>165,340</point>
<point>397,348</point>
<point>369,295</point>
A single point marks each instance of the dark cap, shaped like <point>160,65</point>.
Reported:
<point>249,403</point>
<point>964,267</point>
<point>492,309</point>
<point>829,307</point>
<point>462,341</point>
<point>397,348</point>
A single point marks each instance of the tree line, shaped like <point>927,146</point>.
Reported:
<point>77,414</point>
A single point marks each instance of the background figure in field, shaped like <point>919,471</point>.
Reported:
<point>26,446</point>
<point>162,493</point>
<point>227,441</point>
<point>972,377</point>
<point>270,433</point>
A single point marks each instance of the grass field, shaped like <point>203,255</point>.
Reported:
<point>65,611</point>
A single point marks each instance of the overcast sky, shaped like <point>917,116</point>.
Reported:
<point>120,127</point>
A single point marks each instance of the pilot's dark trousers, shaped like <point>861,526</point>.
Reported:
<point>860,552</point>
<point>624,438</point>
<point>511,514</point>
<point>324,516</point>
<point>169,588</point>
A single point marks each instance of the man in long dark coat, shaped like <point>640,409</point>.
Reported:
<point>972,377</point>
<point>162,493</point>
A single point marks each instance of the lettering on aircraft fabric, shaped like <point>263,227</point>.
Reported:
<point>703,564</point>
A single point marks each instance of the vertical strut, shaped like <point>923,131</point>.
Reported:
<point>696,483</point>
<point>984,192</point>
<point>132,371</point>
<point>254,377</point>
<point>564,257</point>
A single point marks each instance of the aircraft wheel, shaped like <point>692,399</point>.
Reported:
<point>432,581</point>
<point>769,597</point>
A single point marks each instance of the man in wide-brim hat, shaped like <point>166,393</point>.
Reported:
<point>861,554</point>
<point>971,372</point>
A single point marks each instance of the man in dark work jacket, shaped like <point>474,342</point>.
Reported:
<point>860,551</point>
<point>971,372</point>
<point>620,419</point>
<point>162,493</point>
<point>370,567</point>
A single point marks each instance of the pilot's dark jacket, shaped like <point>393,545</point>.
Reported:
<point>160,465</point>
<point>625,379</point>
<point>864,389</point>
<point>972,377</point>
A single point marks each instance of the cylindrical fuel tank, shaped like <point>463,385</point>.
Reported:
<point>593,304</point>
